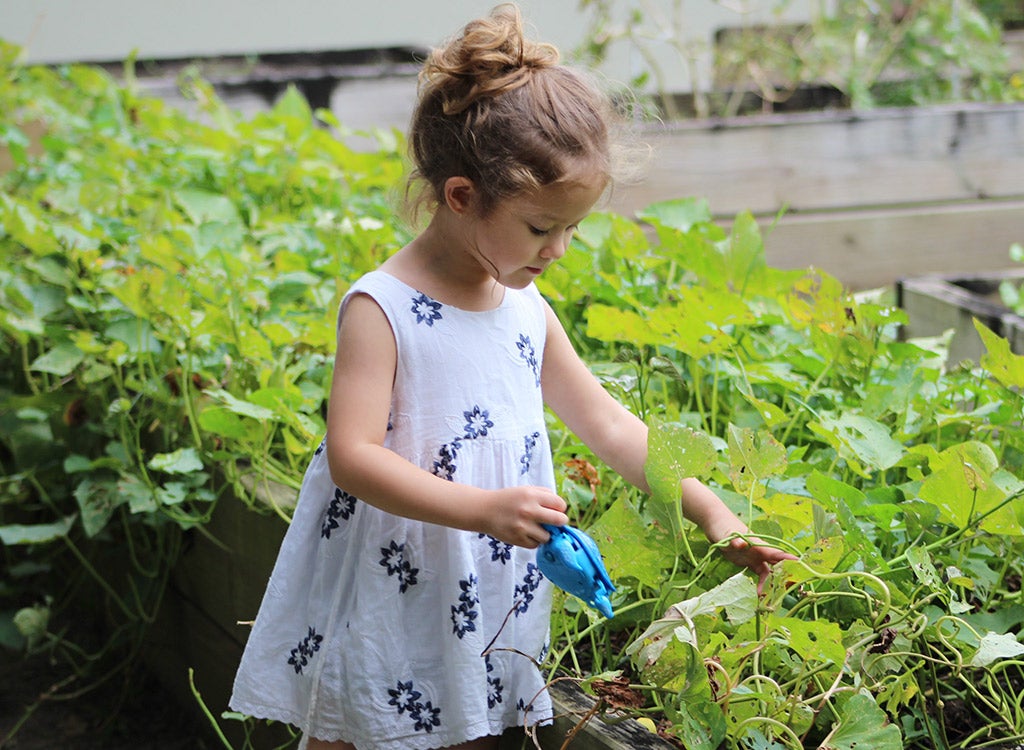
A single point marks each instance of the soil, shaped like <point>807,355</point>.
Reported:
<point>42,708</point>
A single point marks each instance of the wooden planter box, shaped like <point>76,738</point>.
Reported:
<point>217,583</point>
<point>869,196</point>
<point>937,303</point>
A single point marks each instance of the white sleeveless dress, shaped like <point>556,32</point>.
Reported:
<point>374,629</point>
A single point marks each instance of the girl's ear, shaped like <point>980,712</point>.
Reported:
<point>460,195</point>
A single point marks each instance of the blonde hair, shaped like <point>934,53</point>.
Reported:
<point>502,111</point>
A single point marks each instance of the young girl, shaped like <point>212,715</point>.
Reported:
<point>412,547</point>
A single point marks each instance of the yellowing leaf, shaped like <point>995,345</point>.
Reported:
<point>1005,366</point>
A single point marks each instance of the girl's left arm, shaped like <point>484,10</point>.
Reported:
<point>619,438</point>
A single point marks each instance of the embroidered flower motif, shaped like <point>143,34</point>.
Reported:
<point>426,717</point>
<point>393,559</point>
<point>500,551</point>
<point>465,613</point>
<point>342,506</point>
<point>300,655</point>
<point>320,448</point>
<point>426,310</point>
<point>528,354</point>
<point>523,706</point>
<point>406,698</point>
<point>494,686</point>
<point>477,422</point>
<point>524,591</point>
<point>444,466</point>
<point>530,443</point>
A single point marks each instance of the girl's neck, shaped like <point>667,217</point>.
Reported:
<point>441,264</point>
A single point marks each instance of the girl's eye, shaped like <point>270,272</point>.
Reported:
<point>537,231</point>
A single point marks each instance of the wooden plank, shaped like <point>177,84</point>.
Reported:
<point>572,705</point>
<point>936,304</point>
<point>828,160</point>
<point>874,248</point>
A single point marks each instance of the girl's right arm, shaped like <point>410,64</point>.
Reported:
<point>357,418</point>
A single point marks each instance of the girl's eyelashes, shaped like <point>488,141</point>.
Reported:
<point>541,232</point>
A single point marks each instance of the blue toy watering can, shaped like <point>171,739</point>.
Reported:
<point>570,560</point>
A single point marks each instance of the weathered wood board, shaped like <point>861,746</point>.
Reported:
<point>868,197</point>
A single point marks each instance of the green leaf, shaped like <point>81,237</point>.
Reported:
<point>681,214</point>
<point>737,595</point>
<point>1005,366</point>
<point>60,361</point>
<point>860,440</point>
<point>97,500</point>
<point>606,323</point>
<point>243,407</point>
<point>630,547</point>
<point>136,334</point>
<point>745,252</point>
<point>676,452</point>
<point>182,461</point>
<point>202,206</point>
<point>963,486</point>
<point>862,724</point>
<point>995,646</point>
<point>811,640</point>
<point>39,533</point>
<point>293,104</point>
<point>754,456</point>
<point>700,725</point>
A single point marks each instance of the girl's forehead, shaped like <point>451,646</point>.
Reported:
<point>568,201</point>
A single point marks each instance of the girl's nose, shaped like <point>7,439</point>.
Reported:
<point>556,248</point>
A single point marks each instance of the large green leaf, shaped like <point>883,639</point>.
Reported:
<point>631,547</point>
<point>862,724</point>
<point>676,452</point>
<point>39,533</point>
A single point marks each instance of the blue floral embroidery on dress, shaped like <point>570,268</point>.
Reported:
<point>494,686</point>
<point>426,310</point>
<point>320,448</point>
<point>500,551</point>
<point>342,506</point>
<point>477,422</point>
<point>524,591</point>
<point>465,614</point>
<point>523,706</point>
<point>529,355</point>
<point>393,558</point>
<point>444,466</point>
<point>300,655</point>
<point>530,443</point>
<point>423,715</point>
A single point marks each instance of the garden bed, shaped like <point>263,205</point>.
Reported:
<point>938,303</point>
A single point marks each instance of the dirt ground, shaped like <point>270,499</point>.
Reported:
<point>36,713</point>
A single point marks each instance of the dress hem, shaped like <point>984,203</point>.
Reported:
<point>407,742</point>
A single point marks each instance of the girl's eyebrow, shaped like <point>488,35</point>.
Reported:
<point>551,218</point>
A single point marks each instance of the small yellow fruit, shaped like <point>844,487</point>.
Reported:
<point>647,724</point>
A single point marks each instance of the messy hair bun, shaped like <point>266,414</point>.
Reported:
<point>490,58</point>
<point>500,110</point>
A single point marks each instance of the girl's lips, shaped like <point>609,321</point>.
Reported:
<point>534,270</point>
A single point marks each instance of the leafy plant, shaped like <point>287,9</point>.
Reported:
<point>162,331</point>
<point>872,53</point>
<point>895,480</point>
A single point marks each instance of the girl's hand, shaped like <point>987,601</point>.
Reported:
<point>757,557</point>
<point>515,515</point>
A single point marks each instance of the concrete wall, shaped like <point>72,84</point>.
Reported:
<point>107,30</point>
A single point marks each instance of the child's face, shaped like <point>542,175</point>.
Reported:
<point>524,235</point>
